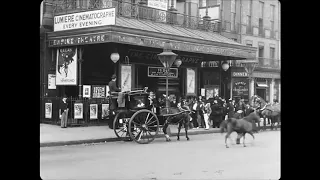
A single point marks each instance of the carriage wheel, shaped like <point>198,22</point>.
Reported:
<point>143,126</point>
<point>120,125</point>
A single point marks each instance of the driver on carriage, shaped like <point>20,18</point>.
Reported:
<point>113,86</point>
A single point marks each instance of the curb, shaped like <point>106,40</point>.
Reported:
<point>87,141</point>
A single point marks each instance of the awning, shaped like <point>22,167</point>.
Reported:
<point>152,34</point>
<point>259,84</point>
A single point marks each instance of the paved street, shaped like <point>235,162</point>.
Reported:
<point>203,157</point>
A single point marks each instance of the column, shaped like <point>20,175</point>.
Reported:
<point>279,99</point>
<point>271,90</point>
<point>251,88</point>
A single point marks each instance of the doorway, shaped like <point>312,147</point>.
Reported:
<point>261,92</point>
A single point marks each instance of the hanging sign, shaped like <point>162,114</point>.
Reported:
<point>240,87</point>
<point>158,4</point>
<point>160,72</point>
<point>78,111</point>
<point>66,67</point>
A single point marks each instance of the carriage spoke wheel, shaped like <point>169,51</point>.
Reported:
<point>120,126</point>
<point>143,126</point>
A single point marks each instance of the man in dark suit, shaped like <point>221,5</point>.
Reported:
<point>230,108</point>
<point>112,84</point>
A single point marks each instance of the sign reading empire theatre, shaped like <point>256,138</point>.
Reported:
<point>85,19</point>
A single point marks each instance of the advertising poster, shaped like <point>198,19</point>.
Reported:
<point>105,110</point>
<point>51,81</point>
<point>66,67</point>
<point>78,111</point>
<point>48,108</point>
<point>86,91</point>
<point>93,111</point>
<point>98,91</point>
<point>126,77</point>
<point>191,81</point>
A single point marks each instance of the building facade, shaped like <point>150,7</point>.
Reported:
<point>254,23</point>
<point>84,42</point>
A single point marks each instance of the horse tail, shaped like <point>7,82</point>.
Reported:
<point>223,126</point>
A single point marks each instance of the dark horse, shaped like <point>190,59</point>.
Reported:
<point>241,126</point>
<point>175,116</point>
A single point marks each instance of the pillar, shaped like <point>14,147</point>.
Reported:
<point>251,87</point>
<point>279,99</point>
<point>271,90</point>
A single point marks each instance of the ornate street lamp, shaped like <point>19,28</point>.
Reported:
<point>249,66</point>
<point>225,65</point>
<point>178,62</point>
<point>115,58</point>
<point>167,57</point>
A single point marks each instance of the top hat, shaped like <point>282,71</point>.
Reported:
<point>64,96</point>
<point>113,76</point>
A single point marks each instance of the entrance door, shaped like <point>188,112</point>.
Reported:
<point>261,92</point>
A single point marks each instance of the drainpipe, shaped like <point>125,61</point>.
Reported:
<point>240,37</point>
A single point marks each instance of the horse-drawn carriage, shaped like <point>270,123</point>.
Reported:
<point>134,116</point>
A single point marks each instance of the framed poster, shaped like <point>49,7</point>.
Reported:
<point>78,111</point>
<point>93,111</point>
<point>98,91</point>
<point>105,110</point>
<point>86,91</point>
<point>126,74</point>
<point>191,82</point>
<point>212,91</point>
<point>66,66</point>
<point>48,110</point>
<point>51,81</point>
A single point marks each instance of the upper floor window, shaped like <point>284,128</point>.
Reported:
<point>202,3</point>
<point>233,6</point>
<point>272,53</point>
<point>272,10</point>
<point>261,9</point>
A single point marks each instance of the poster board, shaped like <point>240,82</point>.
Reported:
<point>48,110</point>
<point>93,111</point>
<point>78,110</point>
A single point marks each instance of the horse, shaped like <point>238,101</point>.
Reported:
<point>241,126</point>
<point>273,115</point>
<point>176,116</point>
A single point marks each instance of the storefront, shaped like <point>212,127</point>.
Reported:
<point>128,47</point>
<point>267,85</point>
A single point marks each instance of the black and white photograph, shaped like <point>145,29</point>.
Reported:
<point>48,110</point>
<point>87,91</point>
<point>78,110</point>
<point>93,111</point>
<point>160,89</point>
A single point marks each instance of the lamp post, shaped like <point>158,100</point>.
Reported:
<point>225,67</point>
<point>249,66</point>
<point>167,57</point>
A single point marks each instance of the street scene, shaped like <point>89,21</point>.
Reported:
<point>203,157</point>
<point>160,89</point>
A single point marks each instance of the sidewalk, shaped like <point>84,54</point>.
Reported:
<point>53,135</point>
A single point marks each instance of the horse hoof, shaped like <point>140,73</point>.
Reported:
<point>178,139</point>
<point>188,139</point>
<point>227,146</point>
<point>168,140</point>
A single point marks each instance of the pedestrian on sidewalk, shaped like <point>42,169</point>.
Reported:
<point>63,112</point>
<point>207,112</point>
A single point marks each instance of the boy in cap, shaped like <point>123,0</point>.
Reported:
<point>63,111</point>
<point>112,84</point>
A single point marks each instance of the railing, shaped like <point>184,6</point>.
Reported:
<point>85,121</point>
<point>269,63</point>
<point>228,27</point>
<point>137,11</point>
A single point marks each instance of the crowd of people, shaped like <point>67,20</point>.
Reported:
<point>211,112</point>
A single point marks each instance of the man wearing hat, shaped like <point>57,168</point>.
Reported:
<point>230,108</point>
<point>112,84</point>
<point>63,111</point>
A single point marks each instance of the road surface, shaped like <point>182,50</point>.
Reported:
<point>203,157</point>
